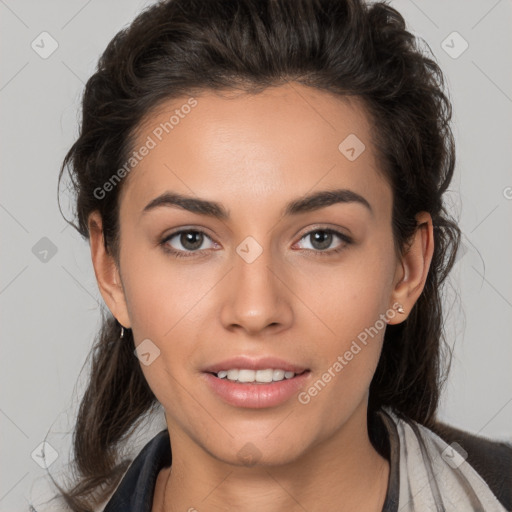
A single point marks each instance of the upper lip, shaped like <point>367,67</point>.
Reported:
<point>249,363</point>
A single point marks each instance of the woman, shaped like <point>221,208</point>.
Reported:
<point>262,186</point>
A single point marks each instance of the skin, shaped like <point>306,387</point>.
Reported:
<point>254,154</point>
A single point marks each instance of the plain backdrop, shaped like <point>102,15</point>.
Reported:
<point>50,304</point>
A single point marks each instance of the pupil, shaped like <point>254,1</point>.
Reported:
<point>187,240</point>
<point>323,238</point>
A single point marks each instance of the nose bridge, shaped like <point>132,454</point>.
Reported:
<point>257,298</point>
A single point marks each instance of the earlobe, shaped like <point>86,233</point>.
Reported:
<point>415,266</point>
<point>106,271</point>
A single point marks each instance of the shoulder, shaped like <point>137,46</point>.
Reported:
<point>491,459</point>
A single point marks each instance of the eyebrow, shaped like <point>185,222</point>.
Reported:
<point>311,202</point>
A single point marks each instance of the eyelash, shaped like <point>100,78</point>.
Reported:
<point>187,254</point>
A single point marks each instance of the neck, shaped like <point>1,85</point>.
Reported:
<point>343,471</point>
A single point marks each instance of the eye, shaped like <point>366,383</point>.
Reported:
<point>322,239</point>
<point>190,240</point>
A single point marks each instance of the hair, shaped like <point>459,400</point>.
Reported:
<point>346,47</point>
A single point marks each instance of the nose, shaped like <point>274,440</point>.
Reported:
<point>257,296</point>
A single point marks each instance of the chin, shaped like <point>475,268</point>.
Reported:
<point>259,452</point>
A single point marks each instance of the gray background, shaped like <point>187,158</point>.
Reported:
<point>50,309</point>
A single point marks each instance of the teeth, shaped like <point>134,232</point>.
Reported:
<point>263,376</point>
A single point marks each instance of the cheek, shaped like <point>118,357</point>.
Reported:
<point>159,292</point>
<point>169,304</point>
<point>163,302</point>
<point>348,357</point>
<point>347,296</point>
<point>350,301</point>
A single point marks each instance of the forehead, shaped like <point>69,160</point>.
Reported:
<point>268,147</point>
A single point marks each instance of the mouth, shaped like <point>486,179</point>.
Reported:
<point>251,382</point>
<point>258,377</point>
<point>245,388</point>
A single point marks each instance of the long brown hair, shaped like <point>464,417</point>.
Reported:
<point>346,47</point>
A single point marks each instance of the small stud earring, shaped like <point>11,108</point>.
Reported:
<point>399,307</point>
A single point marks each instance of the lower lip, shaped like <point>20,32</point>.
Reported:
<point>256,396</point>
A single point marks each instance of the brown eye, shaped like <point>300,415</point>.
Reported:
<point>186,241</point>
<point>322,239</point>
<point>191,240</point>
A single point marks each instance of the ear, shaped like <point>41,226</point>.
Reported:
<point>413,268</point>
<point>107,272</point>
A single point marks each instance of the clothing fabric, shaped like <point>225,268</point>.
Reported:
<point>435,476</point>
<point>426,473</point>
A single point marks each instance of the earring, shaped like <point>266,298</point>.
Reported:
<point>399,307</point>
<point>122,332</point>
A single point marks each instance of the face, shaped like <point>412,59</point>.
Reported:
<point>262,273</point>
